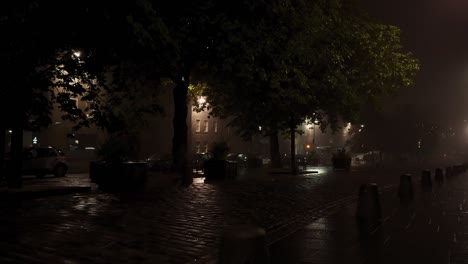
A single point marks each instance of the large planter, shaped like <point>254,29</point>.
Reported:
<point>215,169</point>
<point>118,176</point>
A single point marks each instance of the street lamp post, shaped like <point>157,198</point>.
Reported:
<point>313,139</point>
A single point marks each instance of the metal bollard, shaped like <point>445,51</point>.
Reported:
<point>439,174</point>
<point>405,189</point>
<point>368,208</point>
<point>426,178</point>
<point>244,244</point>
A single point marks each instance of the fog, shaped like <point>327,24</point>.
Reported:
<point>436,32</point>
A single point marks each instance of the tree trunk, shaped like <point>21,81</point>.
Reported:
<point>274,150</point>
<point>179,141</point>
<point>14,177</point>
<point>293,150</point>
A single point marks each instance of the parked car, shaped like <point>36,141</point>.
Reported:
<point>301,160</point>
<point>158,162</point>
<point>40,161</point>
<point>241,159</point>
<point>199,159</point>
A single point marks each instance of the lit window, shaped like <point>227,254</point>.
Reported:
<point>205,147</point>
<point>205,126</point>
<point>197,147</point>
<point>197,125</point>
<point>215,126</point>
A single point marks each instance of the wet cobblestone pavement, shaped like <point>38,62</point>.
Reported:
<point>430,229</point>
<point>167,224</point>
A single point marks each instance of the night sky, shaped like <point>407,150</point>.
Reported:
<point>436,31</point>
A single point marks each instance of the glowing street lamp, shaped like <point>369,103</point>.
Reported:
<point>201,100</point>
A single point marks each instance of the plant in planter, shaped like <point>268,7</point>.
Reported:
<point>113,150</point>
<point>216,167</point>
<point>114,171</point>
<point>341,160</point>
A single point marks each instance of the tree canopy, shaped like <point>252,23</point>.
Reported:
<point>305,59</point>
<point>284,61</point>
<point>55,52</point>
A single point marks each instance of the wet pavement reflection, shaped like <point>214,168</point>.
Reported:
<point>167,223</point>
<point>429,229</point>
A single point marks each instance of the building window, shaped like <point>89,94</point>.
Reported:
<point>215,126</point>
<point>197,147</point>
<point>205,147</point>
<point>205,126</point>
<point>197,125</point>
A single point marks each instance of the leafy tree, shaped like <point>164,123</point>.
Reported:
<point>319,60</point>
<point>42,68</point>
<point>404,131</point>
<point>192,48</point>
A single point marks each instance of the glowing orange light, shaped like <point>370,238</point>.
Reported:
<point>308,146</point>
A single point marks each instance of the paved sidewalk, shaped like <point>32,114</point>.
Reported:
<point>166,224</point>
<point>47,186</point>
<point>433,228</point>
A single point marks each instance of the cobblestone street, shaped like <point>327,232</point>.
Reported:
<point>168,224</point>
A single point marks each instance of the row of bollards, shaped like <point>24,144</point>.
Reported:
<point>405,190</point>
<point>368,211</point>
<point>247,243</point>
